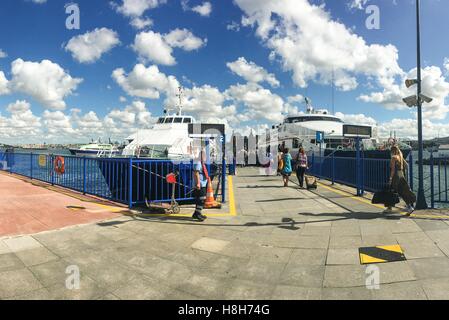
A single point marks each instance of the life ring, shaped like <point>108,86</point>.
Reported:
<point>59,165</point>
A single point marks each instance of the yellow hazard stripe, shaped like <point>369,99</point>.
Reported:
<point>365,259</point>
<point>394,248</point>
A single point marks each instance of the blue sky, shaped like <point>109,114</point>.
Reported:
<point>97,105</point>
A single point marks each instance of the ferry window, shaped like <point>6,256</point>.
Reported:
<point>178,120</point>
<point>161,120</point>
<point>295,143</point>
<point>169,120</point>
<point>187,120</point>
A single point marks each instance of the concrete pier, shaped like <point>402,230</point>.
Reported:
<point>268,242</point>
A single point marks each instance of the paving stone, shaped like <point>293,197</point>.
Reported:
<point>418,245</point>
<point>9,261</point>
<point>309,256</point>
<point>38,295</point>
<point>22,243</point>
<point>255,271</point>
<point>204,286</point>
<point>348,230</point>
<point>395,272</point>
<point>140,288</point>
<point>284,292</point>
<point>342,256</point>
<point>210,245</point>
<point>430,268</point>
<point>431,225</point>
<point>4,248</point>
<point>436,289</point>
<point>356,293</point>
<point>344,276</point>
<point>247,290</point>
<point>36,256</point>
<point>302,275</point>
<point>17,282</point>
<point>52,273</point>
<point>88,290</point>
<point>374,240</point>
<point>339,242</point>
<point>400,291</point>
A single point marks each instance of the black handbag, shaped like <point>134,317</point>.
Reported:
<point>386,197</point>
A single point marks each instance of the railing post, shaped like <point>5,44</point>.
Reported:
<point>432,185</point>
<point>410,169</point>
<point>362,173</point>
<point>357,167</point>
<point>130,187</point>
<point>313,162</point>
<point>223,170</point>
<point>31,166</point>
<point>84,175</point>
<point>333,168</point>
<point>223,181</point>
<point>52,170</point>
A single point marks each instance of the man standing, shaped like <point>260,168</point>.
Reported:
<point>200,175</point>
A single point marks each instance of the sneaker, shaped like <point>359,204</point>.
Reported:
<point>203,217</point>
<point>388,210</point>
<point>198,217</point>
<point>410,209</point>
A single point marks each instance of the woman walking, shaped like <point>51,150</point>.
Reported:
<point>398,181</point>
<point>301,166</point>
<point>287,169</point>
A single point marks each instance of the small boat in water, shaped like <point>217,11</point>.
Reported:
<point>96,150</point>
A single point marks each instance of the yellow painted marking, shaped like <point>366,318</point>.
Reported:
<point>394,248</point>
<point>361,199</point>
<point>364,259</point>
<point>232,210</point>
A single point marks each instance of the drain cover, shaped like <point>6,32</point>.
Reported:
<point>381,254</point>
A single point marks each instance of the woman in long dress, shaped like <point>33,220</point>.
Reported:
<point>398,182</point>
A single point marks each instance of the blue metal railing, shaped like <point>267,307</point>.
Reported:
<point>125,180</point>
<point>363,174</point>
<point>439,183</point>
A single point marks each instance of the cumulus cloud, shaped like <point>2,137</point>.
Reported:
<point>233,26</point>
<point>312,46</point>
<point>3,84</point>
<point>45,81</point>
<point>357,4</point>
<point>3,54</point>
<point>21,122</point>
<point>145,82</point>
<point>446,64</point>
<point>141,23</point>
<point>184,39</point>
<point>260,103</point>
<point>158,48</point>
<point>434,85</point>
<point>89,47</point>
<point>204,9</point>
<point>251,72</point>
<point>136,8</point>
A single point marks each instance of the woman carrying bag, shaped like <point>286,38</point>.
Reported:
<point>301,166</point>
<point>398,182</point>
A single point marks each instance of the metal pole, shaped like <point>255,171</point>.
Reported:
<point>223,170</point>
<point>130,186</point>
<point>357,167</point>
<point>432,186</point>
<point>421,201</point>
<point>410,169</point>
<point>84,175</point>
<point>31,166</point>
